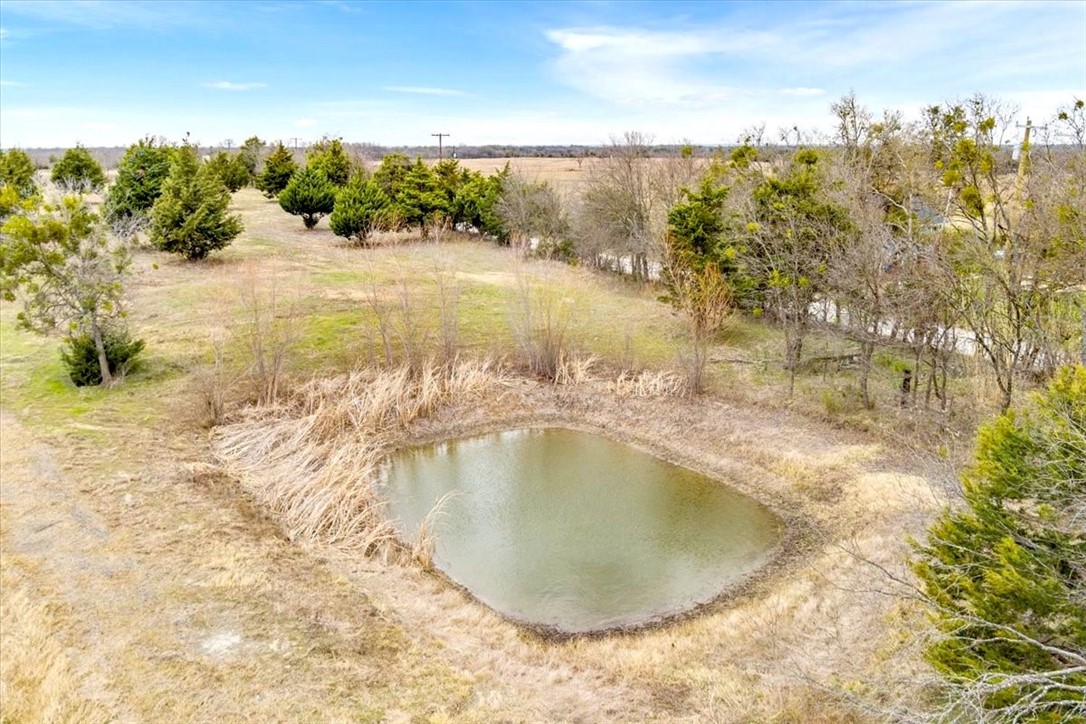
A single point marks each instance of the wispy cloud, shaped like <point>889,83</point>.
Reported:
<point>638,66</point>
<point>227,85</point>
<point>802,92</point>
<point>822,49</point>
<point>305,123</point>
<point>424,90</point>
<point>12,84</point>
<point>103,14</point>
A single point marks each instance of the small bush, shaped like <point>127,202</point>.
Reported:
<point>230,169</point>
<point>279,167</point>
<point>81,357</point>
<point>140,178</point>
<point>309,195</point>
<point>78,171</point>
<point>17,172</point>
<point>360,208</point>
<point>329,157</point>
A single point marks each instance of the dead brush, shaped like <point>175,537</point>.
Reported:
<point>649,383</point>
<point>422,550</point>
<point>314,460</point>
<point>573,369</point>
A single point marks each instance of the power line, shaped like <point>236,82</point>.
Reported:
<point>440,148</point>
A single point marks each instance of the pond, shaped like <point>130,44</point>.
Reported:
<point>574,532</point>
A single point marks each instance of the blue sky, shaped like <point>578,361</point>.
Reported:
<point>107,73</point>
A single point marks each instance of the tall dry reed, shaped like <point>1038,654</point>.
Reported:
<point>314,459</point>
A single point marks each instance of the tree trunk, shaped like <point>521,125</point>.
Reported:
<point>103,360</point>
<point>1082,352</point>
<point>1007,388</point>
<point>867,350</point>
<point>793,350</point>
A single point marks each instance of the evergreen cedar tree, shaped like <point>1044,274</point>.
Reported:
<point>329,157</point>
<point>78,171</point>
<point>361,207</point>
<point>251,154</point>
<point>1005,576</point>
<point>309,195</point>
<point>190,217</point>
<point>279,166</point>
<point>17,175</point>
<point>140,175</point>
<point>231,169</point>
<point>420,202</point>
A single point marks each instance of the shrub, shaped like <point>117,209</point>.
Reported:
<point>78,171</point>
<point>66,270</point>
<point>420,202</point>
<point>309,195</point>
<point>279,167</point>
<point>360,208</point>
<point>250,155</point>
<point>230,169</point>
<point>190,216</point>
<point>1003,576</point>
<point>17,172</point>
<point>328,157</point>
<point>476,203</point>
<point>81,357</point>
<point>140,176</point>
<point>391,173</point>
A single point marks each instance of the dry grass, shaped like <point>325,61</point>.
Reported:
<point>574,370</point>
<point>313,460</point>
<point>648,383</point>
<point>38,682</point>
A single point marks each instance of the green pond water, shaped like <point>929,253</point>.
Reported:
<point>576,532</point>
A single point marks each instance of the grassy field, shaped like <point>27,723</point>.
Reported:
<point>142,583</point>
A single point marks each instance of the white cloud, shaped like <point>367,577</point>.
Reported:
<point>892,52</point>
<point>103,14</point>
<point>423,90</point>
<point>12,84</point>
<point>802,92</point>
<point>305,123</point>
<point>227,85</point>
<point>632,66</point>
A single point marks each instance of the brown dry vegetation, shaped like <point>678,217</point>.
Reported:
<point>143,583</point>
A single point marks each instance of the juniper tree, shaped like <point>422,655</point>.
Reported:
<point>329,157</point>
<point>190,217</point>
<point>279,166</point>
<point>309,195</point>
<point>476,203</point>
<point>391,173</point>
<point>142,171</point>
<point>420,202</point>
<point>251,154</point>
<point>1004,577</point>
<point>17,173</point>
<point>231,170</point>
<point>359,209</point>
<point>78,171</point>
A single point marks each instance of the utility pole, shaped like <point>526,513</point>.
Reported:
<point>440,149</point>
<point>1024,149</point>
<point>295,143</point>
